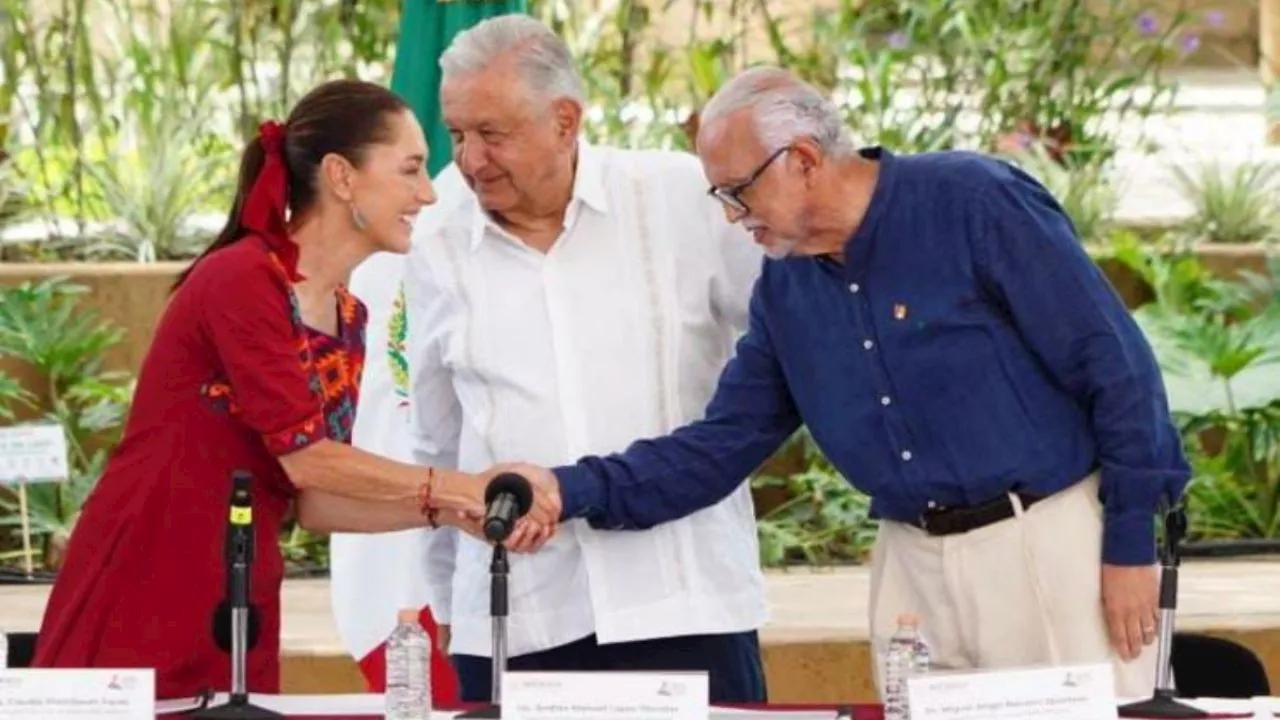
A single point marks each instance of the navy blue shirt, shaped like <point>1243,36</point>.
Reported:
<point>966,347</point>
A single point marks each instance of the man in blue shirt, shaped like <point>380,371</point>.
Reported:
<point>935,322</point>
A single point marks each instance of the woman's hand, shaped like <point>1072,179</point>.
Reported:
<point>460,499</point>
<point>468,522</point>
<point>458,491</point>
<point>527,537</point>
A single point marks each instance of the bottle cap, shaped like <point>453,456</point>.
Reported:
<point>408,615</point>
<point>910,620</point>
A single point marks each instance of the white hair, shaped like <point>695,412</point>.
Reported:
<point>544,62</point>
<point>783,108</point>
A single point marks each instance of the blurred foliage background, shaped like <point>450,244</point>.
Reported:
<point>120,120</point>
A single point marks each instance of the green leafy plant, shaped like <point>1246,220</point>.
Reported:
<point>1218,344</point>
<point>91,98</point>
<point>45,328</point>
<point>988,74</point>
<point>823,520</point>
<point>12,394</point>
<point>305,552</point>
<point>1232,204</point>
<point>157,188</point>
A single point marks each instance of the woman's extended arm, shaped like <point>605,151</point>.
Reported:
<point>320,511</point>
<point>256,340</point>
<point>345,472</point>
<point>341,470</point>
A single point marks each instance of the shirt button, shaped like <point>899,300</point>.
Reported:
<point>853,287</point>
<point>868,344</point>
<point>885,400</point>
<point>906,454</point>
<point>932,504</point>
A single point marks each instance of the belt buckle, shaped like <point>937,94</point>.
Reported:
<point>924,520</point>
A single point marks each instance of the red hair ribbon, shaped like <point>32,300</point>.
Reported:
<point>264,209</point>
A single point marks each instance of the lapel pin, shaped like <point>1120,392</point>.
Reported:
<point>899,311</point>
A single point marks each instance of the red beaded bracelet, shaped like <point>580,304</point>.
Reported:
<point>424,492</point>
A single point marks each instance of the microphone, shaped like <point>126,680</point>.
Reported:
<point>234,621</point>
<point>507,499</point>
<point>238,555</point>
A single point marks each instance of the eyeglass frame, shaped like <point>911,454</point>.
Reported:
<point>732,195</point>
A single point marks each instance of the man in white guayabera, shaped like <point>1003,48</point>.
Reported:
<point>578,298</point>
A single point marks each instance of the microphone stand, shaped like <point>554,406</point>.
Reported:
<point>507,498</point>
<point>1164,703</point>
<point>499,571</point>
<point>239,562</point>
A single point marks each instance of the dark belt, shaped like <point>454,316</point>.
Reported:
<point>953,521</point>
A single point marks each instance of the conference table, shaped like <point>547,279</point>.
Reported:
<point>370,707</point>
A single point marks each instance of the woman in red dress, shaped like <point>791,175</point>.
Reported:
<point>254,367</point>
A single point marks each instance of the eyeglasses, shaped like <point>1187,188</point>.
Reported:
<point>732,196</point>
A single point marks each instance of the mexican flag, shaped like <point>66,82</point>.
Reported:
<point>374,576</point>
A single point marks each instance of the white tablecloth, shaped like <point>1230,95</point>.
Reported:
<point>369,704</point>
<point>329,705</point>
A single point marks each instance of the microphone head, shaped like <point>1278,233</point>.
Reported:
<point>512,483</point>
<point>241,481</point>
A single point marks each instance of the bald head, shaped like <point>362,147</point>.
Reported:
<point>780,107</point>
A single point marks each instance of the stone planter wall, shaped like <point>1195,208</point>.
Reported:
<point>131,296</point>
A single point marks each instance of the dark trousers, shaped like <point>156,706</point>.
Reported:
<point>732,660</point>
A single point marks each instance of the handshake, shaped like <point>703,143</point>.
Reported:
<point>464,505</point>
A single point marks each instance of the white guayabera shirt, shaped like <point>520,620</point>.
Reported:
<point>619,333</point>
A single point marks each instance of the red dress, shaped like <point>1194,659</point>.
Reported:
<point>233,380</point>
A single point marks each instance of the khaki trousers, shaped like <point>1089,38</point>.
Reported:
<point>1022,592</point>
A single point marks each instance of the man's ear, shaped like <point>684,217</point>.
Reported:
<point>568,118</point>
<point>809,155</point>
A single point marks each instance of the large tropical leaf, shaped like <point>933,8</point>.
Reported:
<point>1211,365</point>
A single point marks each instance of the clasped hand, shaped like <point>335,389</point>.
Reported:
<point>531,531</point>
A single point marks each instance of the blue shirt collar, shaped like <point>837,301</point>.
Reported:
<point>858,246</point>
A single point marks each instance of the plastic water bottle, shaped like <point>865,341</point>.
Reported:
<point>408,670</point>
<point>907,656</point>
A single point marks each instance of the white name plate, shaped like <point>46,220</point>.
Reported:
<point>605,696</point>
<point>56,694</point>
<point>1079,692</point>
<point>33,453</point>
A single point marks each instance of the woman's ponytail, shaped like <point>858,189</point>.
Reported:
<point>251,161</point>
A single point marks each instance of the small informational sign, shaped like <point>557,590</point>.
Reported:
<point>33,453</point>
<point>30,454</point>
<point>58,694</point>
<point>1078,692</point>
<point>605,696</point>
